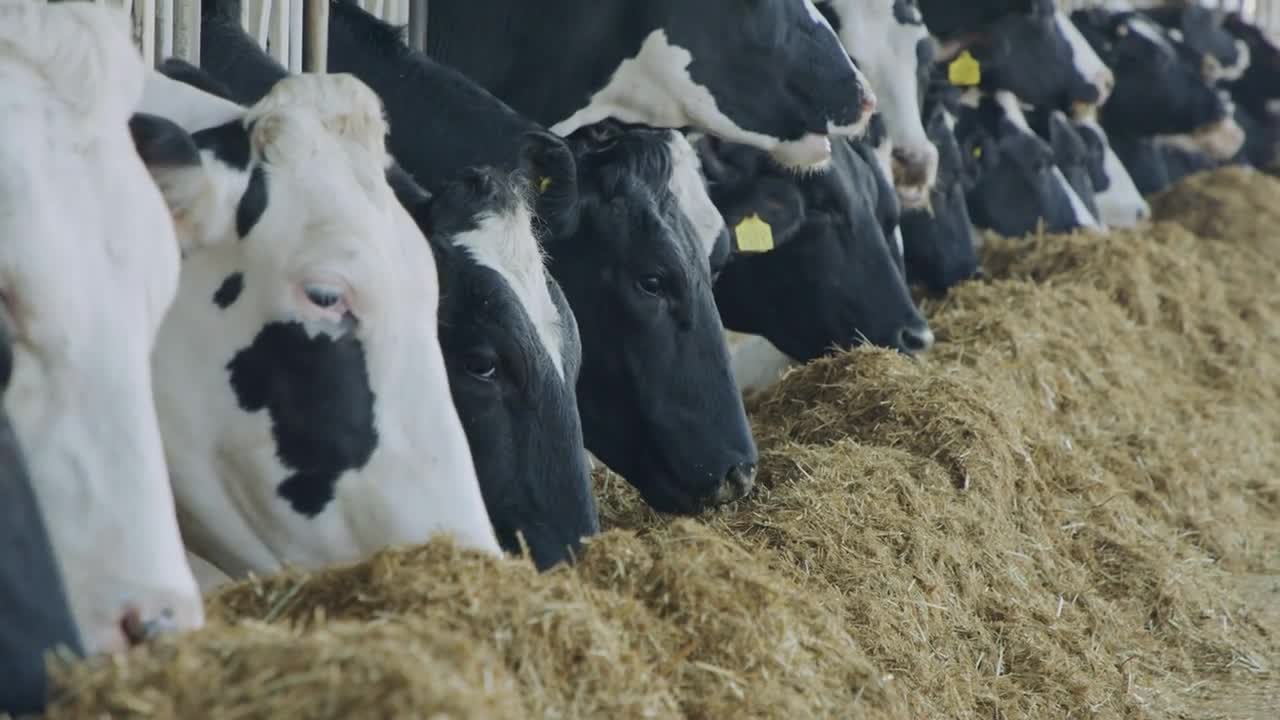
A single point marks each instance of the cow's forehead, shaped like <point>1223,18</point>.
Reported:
<point>690,190</point>
<point>1149,31</point>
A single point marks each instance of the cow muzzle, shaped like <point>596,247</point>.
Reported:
<point>737,484</point>
<point>915,170</point>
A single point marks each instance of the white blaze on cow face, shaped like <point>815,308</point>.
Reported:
<point>505,244</point>
<point>1121,205</point>
<point>655,88</point>
<point>885,48</point>
<point>689,188</point>
<point>88,268</point>
<point>300,379</point>
<point>1086,60</point>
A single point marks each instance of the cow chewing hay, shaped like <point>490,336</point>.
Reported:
<point>1048,516</point>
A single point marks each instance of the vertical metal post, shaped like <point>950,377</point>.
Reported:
<point>418,24</point>
<point>317,41</point>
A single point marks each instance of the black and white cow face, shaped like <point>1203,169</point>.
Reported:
<point>831,280</point>
<point>1156,92</point>
<point>1015,182</point>
<point>1071,153</point>
<point>768,73</point>
<point>1201,37</point>
<point>1039,56</point>
<point>33,598</point>
<point>939,244</point>
<point>657,397</point>
<point>299,377</point>
<point>1258,89</point>
<point>889,42</point>
<point>513,355</point>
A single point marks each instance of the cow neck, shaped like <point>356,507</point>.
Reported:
<point>530,55</point>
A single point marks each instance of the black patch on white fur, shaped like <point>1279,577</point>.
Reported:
<point>229,290</point>
<point>253,203</point>
<point>317,392</point>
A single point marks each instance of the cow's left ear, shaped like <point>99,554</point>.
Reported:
<point>184,180</point>
<point>548,162</point>
<point>765,216</point>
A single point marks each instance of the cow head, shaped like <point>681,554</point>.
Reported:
<point>513,354</point>
<point>1157,93</point>
<point>830,279</point>
<point>940,248</point>
<point>889,42</point>
<point>1200,35</point>
<point>299,374</point>
<point>1120,204</point>
<point>1074,157</point>
<point>770,74</point>
<point>1014,182</point>
<point>1039,56</point>
<point>88,268</point>
<point>656,394</point>
<point>1258,88</point>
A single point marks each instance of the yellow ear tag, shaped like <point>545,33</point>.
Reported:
<point>754,235</point>
<point>977,151</point>
<point>543,184</point>
<point>964,71</point>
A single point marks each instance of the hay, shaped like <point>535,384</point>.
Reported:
<point>1043,518</point>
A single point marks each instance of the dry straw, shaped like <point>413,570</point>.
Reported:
<point>1044,518</point>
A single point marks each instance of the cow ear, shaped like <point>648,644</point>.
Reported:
<point>765,217</point>
<point>548,163</point>
<point>185,181</point>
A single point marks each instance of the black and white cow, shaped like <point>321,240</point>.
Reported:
<point>1160,102</point>
<point>939,241</point>
<point>510,342</point>
<point>1203,39</point>
<point>1081,162</point>
<point>84,286</point>
<point>1120,203</point>
<point>1030,49</point>
<point>1014,182</point>
<point>299,378</point>
<point>1256,94</point>
<point>830,276</point>
<point>682,446</point>
<point>33,598</point>
<point>768,74</point>
<point>890,43</point>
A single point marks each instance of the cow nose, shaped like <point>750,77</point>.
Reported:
<point>979,273</point>
<point>138,630</point>
<point>914,339</point>
<point>915,165</point>
<point>737,484</point>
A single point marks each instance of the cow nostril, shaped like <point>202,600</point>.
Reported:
<point>137,631</point>
<point>914,339</point>
<point>737,484</point>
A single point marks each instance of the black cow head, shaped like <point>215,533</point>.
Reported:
<point>1037,55</point>
<point>813,269</point>
<point>1156,92</point>
<point>515,395</point>
<point>1071,153</point>
<point>1259,87</point>
<point>1201,37</point>
<point>939,244</point>
<point>656,394</point>
<point>1014,181</point>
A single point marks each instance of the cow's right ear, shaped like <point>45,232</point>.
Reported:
<point>185,182</point>
<point>766,215</point>
<point>548,162</point>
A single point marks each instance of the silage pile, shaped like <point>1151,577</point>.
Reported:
<point>1038,520</point>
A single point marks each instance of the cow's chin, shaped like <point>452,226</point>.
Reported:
<point>1220,140</point>
<point>809,154</point>
<point>914,197</point>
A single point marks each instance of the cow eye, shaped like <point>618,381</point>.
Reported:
<point>480,365</point>
<point>651,284</point>
<point>323,296</point>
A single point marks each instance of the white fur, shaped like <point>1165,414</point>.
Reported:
<point>757,364</point>
<point>506,245</point>
<point>1120,205</point>
<point>690,190</point>
<point>1151,31</point>
<point>184,104</point>
<point>885,50</point>
<point>655,88</point>
<point>1085,58</point>
<point>330,218</point>
<point>89,265</point>
<point>1243,60</point>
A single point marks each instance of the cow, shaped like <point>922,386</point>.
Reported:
<point>77,369</point>
<point>1081,162</point>
<point>767,74</point>
<point>33,598</point>
<point>1030,49</point>
<point>940,242</point>
<point>828,276</point>
<point>510,342</point>
<point>299,377</point>
<point>889,42</point>
<point>1120,204</point>
<point>1256,94</point>
<point>1202,38</point>
<point>1015,184</point>
<point>684,445</point>
<point>1159,100</point>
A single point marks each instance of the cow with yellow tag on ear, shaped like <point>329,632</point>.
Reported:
<point>812,268</point>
